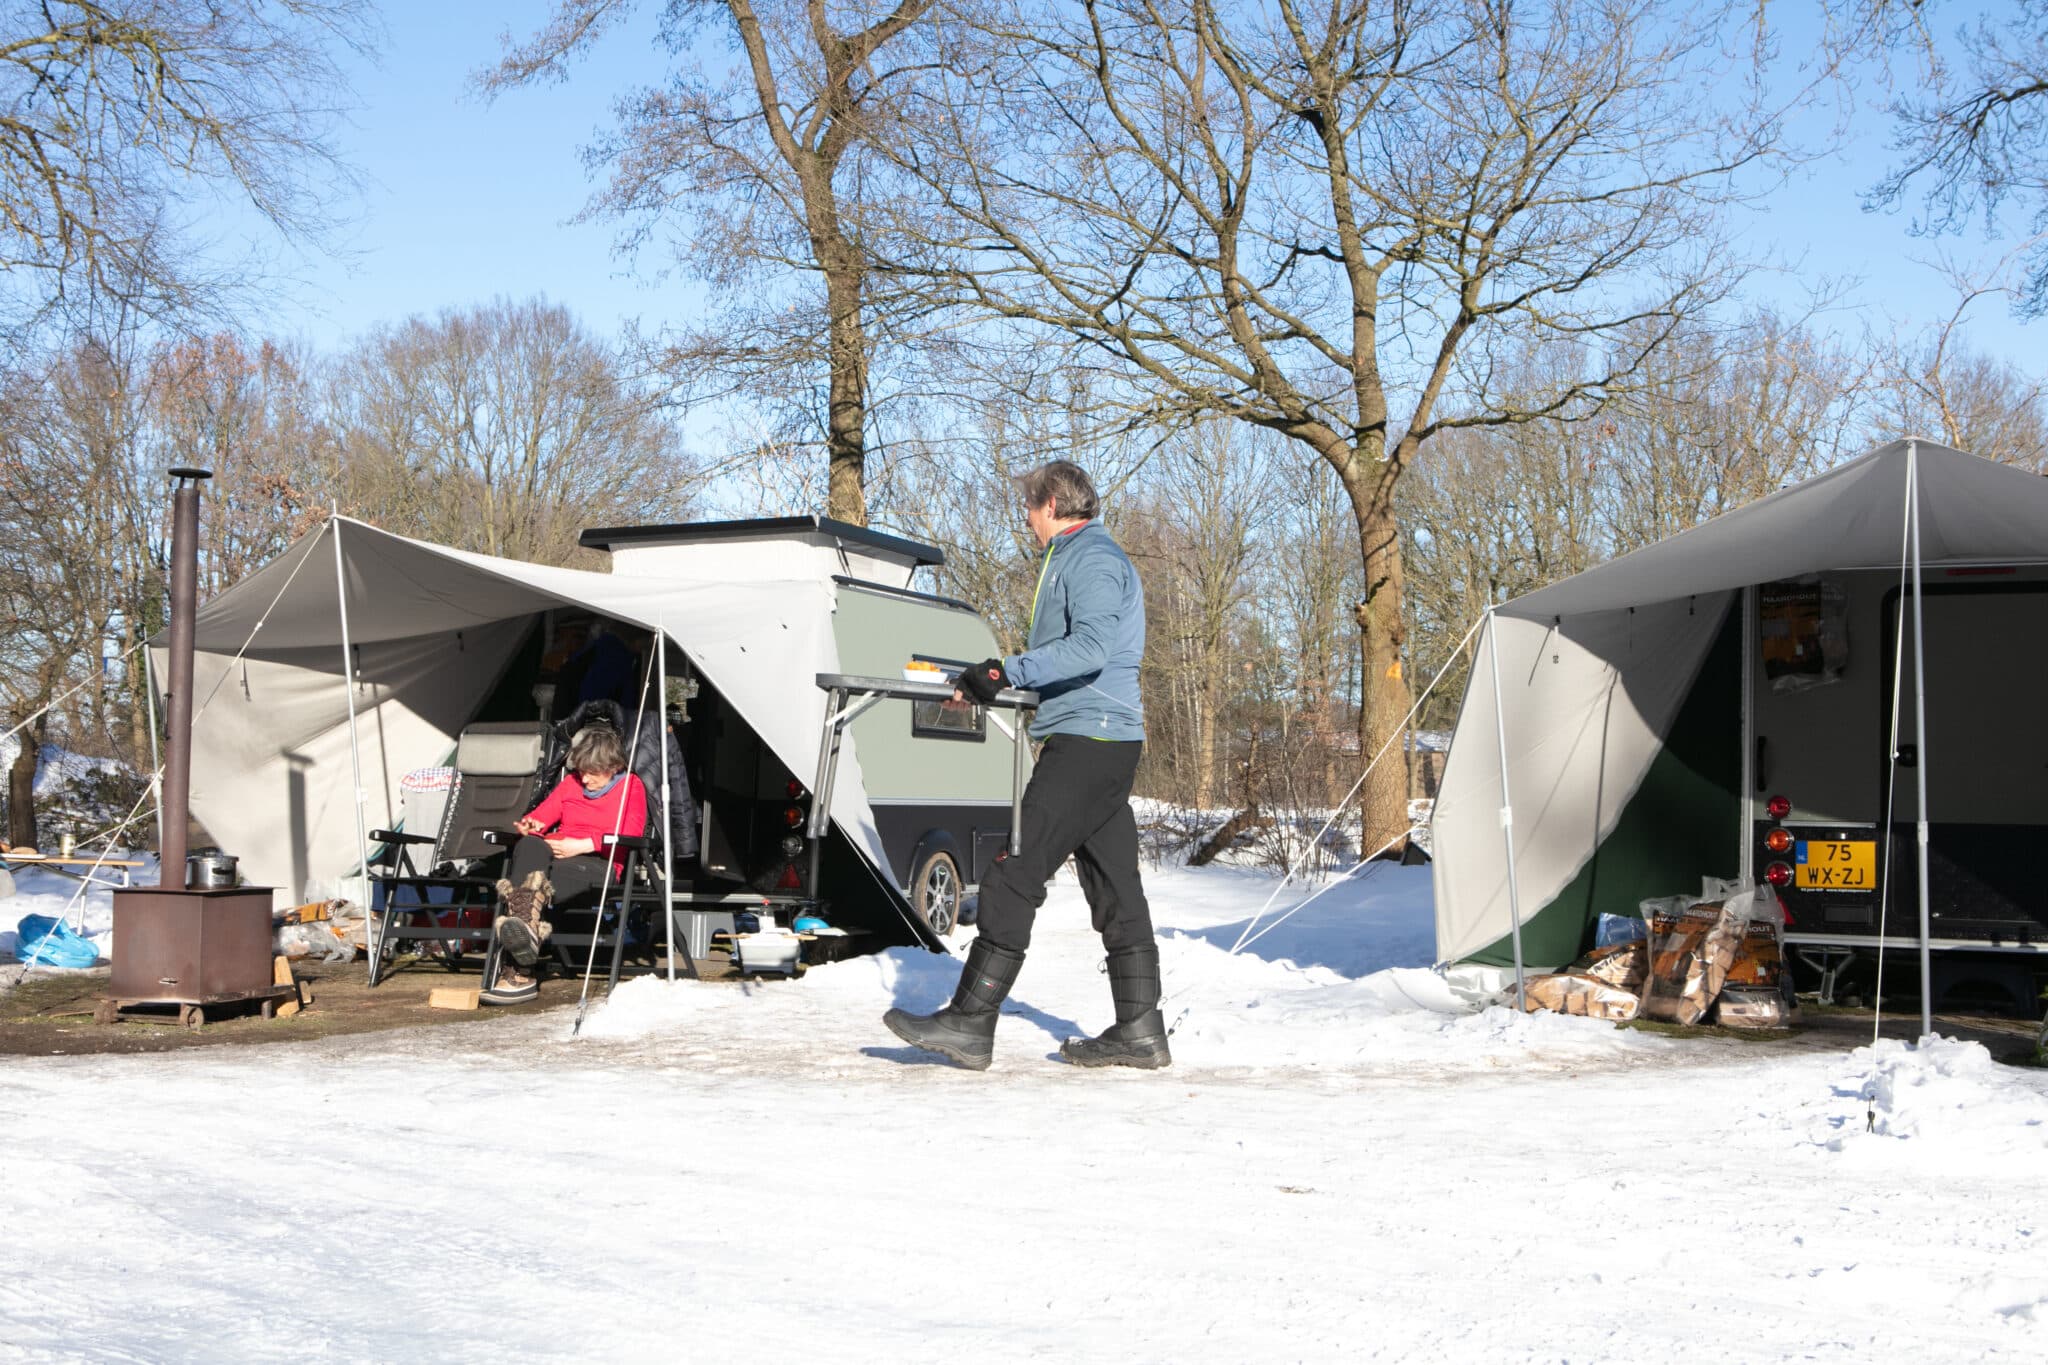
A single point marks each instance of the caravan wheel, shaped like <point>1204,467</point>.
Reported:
<point>935,892</point>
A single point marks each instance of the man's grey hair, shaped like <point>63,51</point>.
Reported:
<point>1065,484</point>
<point>597,749</point>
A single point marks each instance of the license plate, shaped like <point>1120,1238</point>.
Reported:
<point>1836,865</point>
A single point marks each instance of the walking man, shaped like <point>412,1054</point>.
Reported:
<point>1086,636</point>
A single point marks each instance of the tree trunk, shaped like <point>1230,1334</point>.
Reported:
<point>845,439</point>
<point>21,786</point>
<point>1222,839</point>
<point>1384,691</point>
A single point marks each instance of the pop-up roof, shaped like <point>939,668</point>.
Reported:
<point>760,549</point>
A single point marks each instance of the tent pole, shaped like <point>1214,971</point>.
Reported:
<point>355,753</point>
<point>1745,809</point>
<point>668,823</point>
<point>1507,805</point>
<point>1920,734</point>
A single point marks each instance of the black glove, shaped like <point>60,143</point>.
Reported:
<point>983,680</point>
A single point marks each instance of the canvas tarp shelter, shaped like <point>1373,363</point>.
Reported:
<point>430,630</point>
<point>1621,695</point>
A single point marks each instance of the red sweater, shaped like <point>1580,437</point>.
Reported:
<point>568,812</point>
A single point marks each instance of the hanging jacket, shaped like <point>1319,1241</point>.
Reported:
<point>676,806</point>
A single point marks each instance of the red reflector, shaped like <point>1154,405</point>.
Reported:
<point>1779,807</point>
<point>1778,840</point>
<point>789,881</point>
<point>1778,874</point>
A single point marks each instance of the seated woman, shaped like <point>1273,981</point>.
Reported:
<point>558,858</point>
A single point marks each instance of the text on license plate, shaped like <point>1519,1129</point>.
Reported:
<point>1836,864</point>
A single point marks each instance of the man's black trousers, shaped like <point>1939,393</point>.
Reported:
<point>1077,804</point>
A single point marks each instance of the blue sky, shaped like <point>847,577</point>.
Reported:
<point>465,199</point>
<point>468,200</point>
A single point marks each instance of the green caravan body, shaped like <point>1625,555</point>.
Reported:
<point>937,780</point>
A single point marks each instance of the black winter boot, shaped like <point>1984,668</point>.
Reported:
<point>1138,1037</point>
<point>965,1030</point>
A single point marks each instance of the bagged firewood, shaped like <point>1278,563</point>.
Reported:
<point>1572,993</point>
<point>1626,965</point>
<point>1742,1008</point>
<point>1690,954</point>
<point>1759,956</point>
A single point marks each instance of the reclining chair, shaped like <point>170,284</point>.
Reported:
<point>633,912</point>
<point>499,769</point>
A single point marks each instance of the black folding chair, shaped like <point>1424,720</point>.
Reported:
<point>499,769</point>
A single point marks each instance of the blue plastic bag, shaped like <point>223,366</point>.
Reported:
<point>1613,929</point>
<point>49,942</point>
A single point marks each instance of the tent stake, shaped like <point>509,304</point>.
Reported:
<point>1507,804</point>
<point>355,752</point>
<point>1920,734</point>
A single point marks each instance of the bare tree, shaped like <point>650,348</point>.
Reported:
<point>1972,133</point>
<point>764,174</point>
<point>1324,222</point>
<point>1933,383</point>
<point>505,428</point>
<point>121,121</point>
<point>69,430</point>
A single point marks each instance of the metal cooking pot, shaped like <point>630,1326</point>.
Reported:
<point>209,871</point>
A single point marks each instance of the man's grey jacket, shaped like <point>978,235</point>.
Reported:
<point>1086,639</point>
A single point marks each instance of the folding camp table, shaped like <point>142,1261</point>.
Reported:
<point>94,867</point>
<point>848,697</point>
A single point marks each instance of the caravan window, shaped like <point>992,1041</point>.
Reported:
<point>936,720</point>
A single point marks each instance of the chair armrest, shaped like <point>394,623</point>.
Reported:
<point>499,836</point>
<point>392,836</point>
<point>625,841</point>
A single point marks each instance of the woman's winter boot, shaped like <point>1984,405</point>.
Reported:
<point>522,929</point>
<point>1138,1037</point>
<point>965,1030</point>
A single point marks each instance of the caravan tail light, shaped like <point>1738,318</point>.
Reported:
<point>792,816</point>
<point>1779,807</point>
<point>1778,874</point>
<point>1778,840</point>
<point>794,789</point>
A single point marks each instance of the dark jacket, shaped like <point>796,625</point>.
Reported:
<point>676,805</point>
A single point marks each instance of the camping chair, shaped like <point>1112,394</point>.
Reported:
<point>499,768</point>
<point>631,912</point>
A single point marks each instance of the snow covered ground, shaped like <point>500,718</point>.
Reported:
<point>1338,1167</point>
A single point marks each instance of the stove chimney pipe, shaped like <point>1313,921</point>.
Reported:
<point>177,789</point>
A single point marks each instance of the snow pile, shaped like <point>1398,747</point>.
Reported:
<point>1946,1098</point>
<point>59,770</point>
